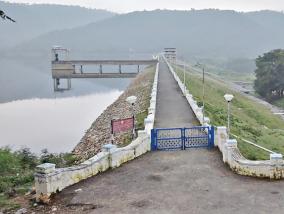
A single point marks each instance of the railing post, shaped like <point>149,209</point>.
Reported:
<point>183,139</point>
<point>153,140</point>
<point>212,137</point>
<point>119,69</point>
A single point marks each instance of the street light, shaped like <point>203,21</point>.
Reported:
<point>132,100</point>
<point>184,88</point>
<point>203,88</point>
<point>228,98</point>
<point>183,64</point>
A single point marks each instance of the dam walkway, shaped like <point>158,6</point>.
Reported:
<point>176,182</point>
<point>173,109</point>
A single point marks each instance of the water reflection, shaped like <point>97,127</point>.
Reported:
<point>55,124</point>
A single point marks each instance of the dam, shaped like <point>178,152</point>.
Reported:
<point>69,69</point>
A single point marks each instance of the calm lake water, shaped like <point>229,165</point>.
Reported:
<point>55,124</point>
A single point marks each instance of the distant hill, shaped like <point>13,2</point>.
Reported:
<point>196,33</point>
<point>226,39</point>
<point>34,20</point>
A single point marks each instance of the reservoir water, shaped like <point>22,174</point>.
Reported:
<point>55,124</point>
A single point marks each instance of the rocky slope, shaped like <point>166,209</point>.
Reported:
<point>100,131</point>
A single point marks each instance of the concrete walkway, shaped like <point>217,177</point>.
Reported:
<point>182,182</point>
<point>193,181</point>
<point>173,110</point>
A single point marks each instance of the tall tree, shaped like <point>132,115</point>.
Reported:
<point>269,81</point>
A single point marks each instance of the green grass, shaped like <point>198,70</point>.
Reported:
<point>17,173</point>
<point>231,75</point>
<point>7,205</point>
<point>140,117</point>
<point>250,120</point>
<point>279,103</point>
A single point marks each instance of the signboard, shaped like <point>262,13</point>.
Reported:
<point>122,125</point>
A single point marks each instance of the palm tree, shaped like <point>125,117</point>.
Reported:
<point>4,16</point>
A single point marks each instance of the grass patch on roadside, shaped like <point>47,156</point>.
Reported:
<point>249,119</point>
<point>140,117</point>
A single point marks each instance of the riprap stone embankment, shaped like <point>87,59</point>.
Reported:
<point>100,131</point>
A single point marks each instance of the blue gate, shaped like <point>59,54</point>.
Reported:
<point>182,138</point>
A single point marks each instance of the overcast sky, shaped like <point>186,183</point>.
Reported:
<point>123,6</point>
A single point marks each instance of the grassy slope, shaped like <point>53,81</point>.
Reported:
<point>279,103</point>
<point>231,75</point>
<point>250,120</point>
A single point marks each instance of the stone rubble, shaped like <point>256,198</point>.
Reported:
<point>21,211</point>
<point>100,131</point>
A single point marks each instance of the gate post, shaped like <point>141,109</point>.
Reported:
<point>183,139</point>
<point>153,140</point>
<point>212,137</point>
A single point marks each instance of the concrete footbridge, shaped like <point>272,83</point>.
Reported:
<point>178,167</point>
<point>70,69</point>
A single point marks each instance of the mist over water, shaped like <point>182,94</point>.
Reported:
<point>55,124</point>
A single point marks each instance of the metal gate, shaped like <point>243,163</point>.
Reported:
<point>182,138</point>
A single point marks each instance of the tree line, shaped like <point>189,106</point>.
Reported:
<point>269,81</point>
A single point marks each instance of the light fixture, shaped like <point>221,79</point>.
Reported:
<point>131,100</point>
<point>229,97</point>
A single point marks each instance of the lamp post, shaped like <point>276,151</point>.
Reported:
<point>132,100</point>
<point>228,98</point>
<point>203,88</point>
<point>183,64</point>
<point>184,88</point>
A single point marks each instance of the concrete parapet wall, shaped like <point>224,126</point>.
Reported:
<point>149,121</point>
<point>273,168</point>
<point>58,179</point>
<point>49,180</point>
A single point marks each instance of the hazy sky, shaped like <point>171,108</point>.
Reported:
<point>131,5</point>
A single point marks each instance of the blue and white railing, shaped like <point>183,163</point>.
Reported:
<point>273,168</point>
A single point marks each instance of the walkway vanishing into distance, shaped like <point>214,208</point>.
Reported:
<point>194,181</point>
<point>173,110</point>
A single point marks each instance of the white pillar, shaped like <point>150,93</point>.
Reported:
<point>276,166</point>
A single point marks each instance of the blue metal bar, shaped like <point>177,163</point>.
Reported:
<point>194,137</point>
<point>168,129</point>
<point>201,146</point>
<point>183,138</point>
<point>212,136</point>
<point>176,138</point>
<point>198,127</point>
<point>183,141</point>
<point>153,140</point>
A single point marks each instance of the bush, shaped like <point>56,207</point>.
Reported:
<point>9,162</point>
<point>61,160</point>
<point>27,159</point>
<point>9,182</point>
<point>17,168</point>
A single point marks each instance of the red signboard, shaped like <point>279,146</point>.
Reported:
<point>122,125</point>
